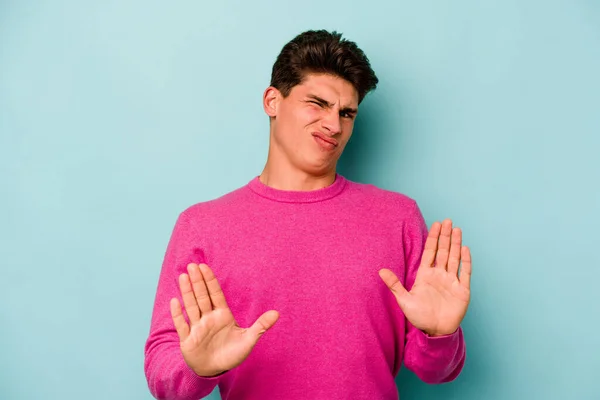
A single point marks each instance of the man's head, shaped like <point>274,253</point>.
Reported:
<point>317,83</point>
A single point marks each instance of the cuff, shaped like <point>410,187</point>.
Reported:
<point>427,341</point>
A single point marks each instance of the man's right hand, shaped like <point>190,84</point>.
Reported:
<point>213,342</point>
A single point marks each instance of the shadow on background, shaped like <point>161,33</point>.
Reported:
<point>376,141</point>
<point>360,155</point>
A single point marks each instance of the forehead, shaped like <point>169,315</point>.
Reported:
<point>331,88</point>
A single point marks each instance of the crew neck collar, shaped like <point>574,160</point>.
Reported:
<point>298,196</point>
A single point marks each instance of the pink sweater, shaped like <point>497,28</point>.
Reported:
<point>312,256</point>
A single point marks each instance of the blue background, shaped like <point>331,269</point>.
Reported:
<point>115,116</point>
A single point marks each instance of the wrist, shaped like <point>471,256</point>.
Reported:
<point>438,333</point>
<point>210,375</point>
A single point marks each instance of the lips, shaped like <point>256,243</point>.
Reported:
<point>325,138</point>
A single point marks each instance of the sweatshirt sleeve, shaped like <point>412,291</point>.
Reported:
<point>437,359</point>
<point>167,374</point>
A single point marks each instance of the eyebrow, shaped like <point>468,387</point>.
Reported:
<point>325,103</point>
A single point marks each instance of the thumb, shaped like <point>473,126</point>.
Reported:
<point>394,284</point>
<point>262,324</point>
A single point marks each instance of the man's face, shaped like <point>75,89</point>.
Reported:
<point>311,127</point>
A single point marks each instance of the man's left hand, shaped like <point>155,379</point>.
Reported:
<point>438,300</point>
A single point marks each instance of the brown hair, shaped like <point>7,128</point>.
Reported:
<point>320,51</point>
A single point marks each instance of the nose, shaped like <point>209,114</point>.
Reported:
<point>331,122</point>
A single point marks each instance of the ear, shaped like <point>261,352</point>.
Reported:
<point>271,101</point>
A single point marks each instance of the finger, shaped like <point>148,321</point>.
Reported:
<point>199,288</point>
<point>454,258</point>
<point>431,245</point>
<point>441,259</point>
<point>189,299</point>
<point>262,324</point>
<point>217,297</point>
<point>183,330</point>
<point>465,270</point>
<point>394,284</point>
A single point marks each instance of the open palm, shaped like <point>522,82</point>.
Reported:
<point>439,298</point>
<point>212,342</point>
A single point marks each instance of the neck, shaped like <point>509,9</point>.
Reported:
<point>283,176</point>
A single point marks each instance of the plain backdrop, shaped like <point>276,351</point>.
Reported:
<point>117,115</point>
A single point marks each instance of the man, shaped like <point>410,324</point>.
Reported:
<point>340,281</point>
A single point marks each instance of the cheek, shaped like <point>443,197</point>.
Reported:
<point>310,115</point>
<point>298,120</point>
<point>347,127</point>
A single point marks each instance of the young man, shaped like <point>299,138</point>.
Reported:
<point>340,281</point>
